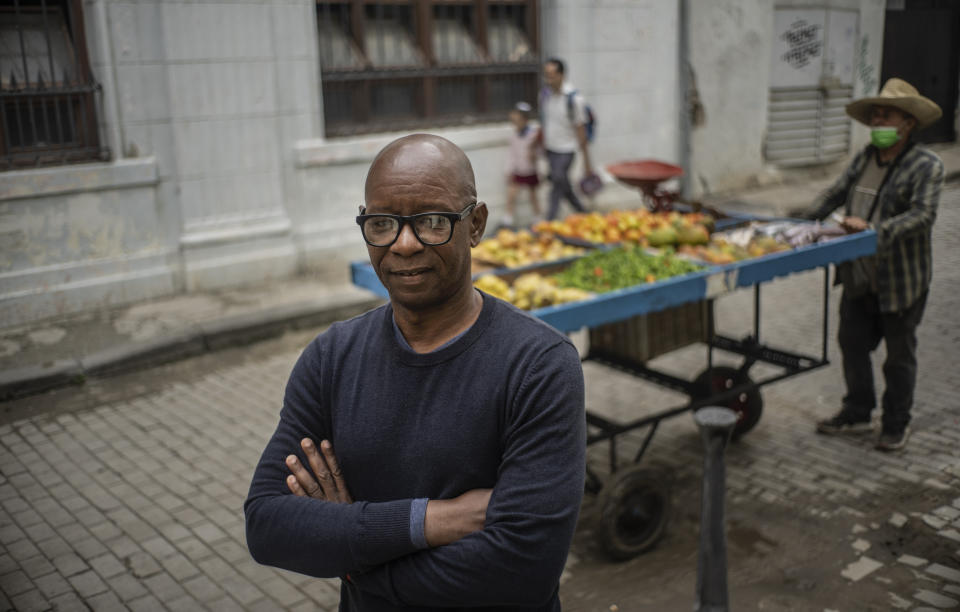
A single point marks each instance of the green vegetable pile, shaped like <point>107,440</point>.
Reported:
<point>619,268</point>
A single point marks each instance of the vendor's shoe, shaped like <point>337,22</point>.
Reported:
<point>843,423</point>
<point>892,441</point>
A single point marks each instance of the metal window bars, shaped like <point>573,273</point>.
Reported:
<point>409,64</point>
<point>47,93</point>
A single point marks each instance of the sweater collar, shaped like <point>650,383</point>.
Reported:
<point>449,350</point>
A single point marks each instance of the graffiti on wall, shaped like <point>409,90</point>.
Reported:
<point>805,43</point>
<point>868,80</point>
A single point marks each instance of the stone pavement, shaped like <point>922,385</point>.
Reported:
<point>133,500</point>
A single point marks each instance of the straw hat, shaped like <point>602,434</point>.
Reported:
<point>898,94</point>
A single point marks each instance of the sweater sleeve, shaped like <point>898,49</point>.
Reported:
<point>517,558</point>
<point>925,181</point>
<point>307,535</point>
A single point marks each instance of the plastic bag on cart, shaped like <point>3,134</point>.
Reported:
<point>794,233</point>
<point>801,234</point>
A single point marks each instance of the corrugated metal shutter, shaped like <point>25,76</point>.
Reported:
<point>807,125</point>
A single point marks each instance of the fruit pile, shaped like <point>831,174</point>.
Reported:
<point>620,268</point>
<point>512,249</point>
<point>529,291</point>
<point>721,251</point>
<point>642,227</point>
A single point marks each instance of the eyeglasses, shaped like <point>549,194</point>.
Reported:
<point>430,228</point>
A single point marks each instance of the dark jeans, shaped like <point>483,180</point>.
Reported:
<point>559,170</point>
<point>862,326</point>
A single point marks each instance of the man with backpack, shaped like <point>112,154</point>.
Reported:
<point>565,125</point>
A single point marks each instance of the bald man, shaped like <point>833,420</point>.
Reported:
<point>430,452</point>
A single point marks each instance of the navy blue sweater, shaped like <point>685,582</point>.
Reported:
<point>501,407</point>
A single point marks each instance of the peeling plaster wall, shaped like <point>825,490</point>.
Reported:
<point>730,48</point>
<point>212,97</point>
<point>80,237</point>
<point>219,104</point>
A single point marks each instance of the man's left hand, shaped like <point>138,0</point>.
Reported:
<point>854,224</point>
<point>329,484</point>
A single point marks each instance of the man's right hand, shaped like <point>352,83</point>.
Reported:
<point>329,484</point>
<point>854,224</point>
<point>448,520</point>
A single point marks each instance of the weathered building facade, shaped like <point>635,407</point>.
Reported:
<point>232,138</point>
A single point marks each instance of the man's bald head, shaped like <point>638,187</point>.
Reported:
<point>428,156</point>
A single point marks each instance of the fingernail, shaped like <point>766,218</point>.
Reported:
<point>292,459</point>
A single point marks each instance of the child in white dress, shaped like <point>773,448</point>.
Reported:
<point>521,163</point>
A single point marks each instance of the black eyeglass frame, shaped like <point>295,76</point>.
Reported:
<point>401,219</point>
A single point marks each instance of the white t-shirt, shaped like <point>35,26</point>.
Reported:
<point>559,134</point>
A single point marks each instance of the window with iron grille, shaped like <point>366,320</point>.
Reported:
<point>47,92</point>
<point>406,64</point>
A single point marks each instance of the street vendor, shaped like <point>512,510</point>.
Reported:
<point>431,452</point>
<point>892,186</point>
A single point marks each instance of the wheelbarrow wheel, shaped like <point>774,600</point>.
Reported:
<point>634,511</point>
<point>748,405</point>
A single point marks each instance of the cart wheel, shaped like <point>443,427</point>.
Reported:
<point>634,509</point>
<point>748,405</point>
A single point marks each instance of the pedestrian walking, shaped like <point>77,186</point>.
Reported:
<point>563,131</point>
<point>892,186</point>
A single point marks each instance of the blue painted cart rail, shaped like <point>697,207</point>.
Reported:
<point>713,281</point>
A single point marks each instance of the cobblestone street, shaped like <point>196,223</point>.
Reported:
<point>128,494</point>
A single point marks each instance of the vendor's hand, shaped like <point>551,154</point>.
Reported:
<point>329,483</point>
<point>853,224</point>
<point>448,520</point>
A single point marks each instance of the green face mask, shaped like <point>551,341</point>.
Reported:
<point>884,137</point>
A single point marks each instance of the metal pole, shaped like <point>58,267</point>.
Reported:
<point>715,424</point>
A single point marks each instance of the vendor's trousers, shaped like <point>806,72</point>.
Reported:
<point>560,178</point>
<point>862,326</point>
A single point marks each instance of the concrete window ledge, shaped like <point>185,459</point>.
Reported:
<point>362,149</point>
<point>59,180</point>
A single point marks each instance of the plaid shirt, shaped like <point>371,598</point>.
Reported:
<point>904,220</point>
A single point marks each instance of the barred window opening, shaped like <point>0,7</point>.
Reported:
<point>425,63</point>
<point>47,93</point>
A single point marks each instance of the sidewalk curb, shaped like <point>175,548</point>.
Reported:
<point>198,338</point>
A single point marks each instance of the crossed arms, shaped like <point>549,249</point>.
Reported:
<point>500,546</point>
<point>445,522</point>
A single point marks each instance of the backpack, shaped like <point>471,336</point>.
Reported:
<point>591,122</point>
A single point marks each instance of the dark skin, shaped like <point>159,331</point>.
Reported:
<point>884,116</point>
<point>430,286</point>
<point>432,295</point>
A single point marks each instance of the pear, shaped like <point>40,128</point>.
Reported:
<point>662,236</point>
<point>693,234</point>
